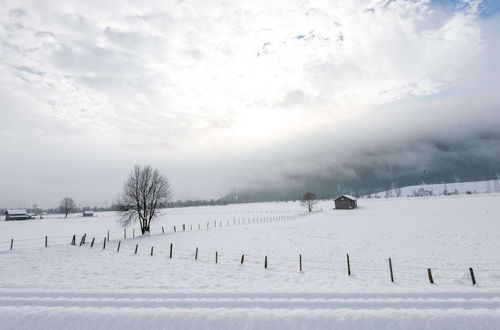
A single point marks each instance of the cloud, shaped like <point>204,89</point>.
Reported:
<point>252,95</point>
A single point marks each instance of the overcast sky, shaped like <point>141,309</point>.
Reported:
<point>254,94</point>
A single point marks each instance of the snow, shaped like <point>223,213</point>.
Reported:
<point>48,288</point>
<point>17,212</point>
<point>488,186</point>
<point>348,196</point>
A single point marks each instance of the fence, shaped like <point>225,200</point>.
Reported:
<point>47,241</point>
<point>390,270</point>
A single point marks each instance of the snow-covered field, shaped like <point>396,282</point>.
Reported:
<point>63,286</point>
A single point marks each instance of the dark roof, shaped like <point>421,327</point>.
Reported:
<point>352,198</point>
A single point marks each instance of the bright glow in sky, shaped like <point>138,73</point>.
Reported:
<point>99,86</point>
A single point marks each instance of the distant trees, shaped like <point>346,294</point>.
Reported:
<point>67,205</point>
<point>309,200</point>
<point>145,192</point>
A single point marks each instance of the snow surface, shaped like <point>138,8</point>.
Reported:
<point>92,287</point>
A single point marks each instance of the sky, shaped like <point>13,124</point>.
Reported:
<point>267,98</point>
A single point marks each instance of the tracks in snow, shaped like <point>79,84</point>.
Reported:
<point>297,301</point>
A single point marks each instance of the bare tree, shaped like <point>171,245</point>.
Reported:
<point>144,193</point>
<point>309,200</point>
<point>67,205</point>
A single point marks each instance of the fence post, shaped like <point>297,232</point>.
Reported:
<point>175,230</point>
<point>242,258</point>
<point>108,235</point>
<point>11,243</point>
<point>46,241</point>
<point>104,244</point>
<point>81,241</point>
<point>429,272</point>
<point>84,238</point>
<point>93,240</point>
<point>133,232</point>
<point>151,250</point>
<point>472,277</point>
<point>171,246</point>
<point>162,230</point>
<point>216,257</point>
<point>265,262</point>
<point>183,227</point>
<point>124,233</point>
<point>348,265</point>
<point>196,254</point>
<point>300,262</point>
<point>390,269</point>
<point>198,226</point>
<point>190,227</point>
<point>73,241</point>
<point>136,247</point>
<point>119,243</point>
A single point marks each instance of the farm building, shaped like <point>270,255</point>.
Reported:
<point>20,214</point>
<point>345,202</point>
<point>88,213</point>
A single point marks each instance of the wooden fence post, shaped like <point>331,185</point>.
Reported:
<point>183,227</point>
<point>73,240</point>
<point>93,240</point>
<point>171,246</point>
<point>196,254</point>
<point>472,277</point>
<point>162,230</point>
<point>390,269</point>
<point>11,243</point>
<point>300,262</point>
<point>429,272</point>
<point>265,262</point>
<point>119,243</point>
<point>348,265</point>
<point>124,233</point>
<point>216,257</point>
<point>242,258</point>
<point>198,226</point>
<point>190,227</point>
<point>151,250</point>
<point>46,241</point>
<point>136,247</point>
<point>84,238</point>
<point>81,241</point>
<point>104,244</point>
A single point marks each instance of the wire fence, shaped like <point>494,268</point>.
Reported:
<point>388,270</point>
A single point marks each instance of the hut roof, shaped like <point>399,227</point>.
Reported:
<point>348,197</point>
<point>17,212</point>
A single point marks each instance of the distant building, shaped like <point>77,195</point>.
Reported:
<point>20,214</point>
<point>88,213</point>
<point>345,202</point>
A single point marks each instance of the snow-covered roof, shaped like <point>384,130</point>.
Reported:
<point>348,196</point>
<point>17,212</point>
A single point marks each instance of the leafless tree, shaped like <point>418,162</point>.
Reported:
<point>67,205</point>
<point>144,193</point>
<point>309,200</point>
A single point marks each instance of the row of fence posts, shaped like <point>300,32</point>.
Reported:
<point>82,241</point>
<point>242,260</point>
<point>73,241</point>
